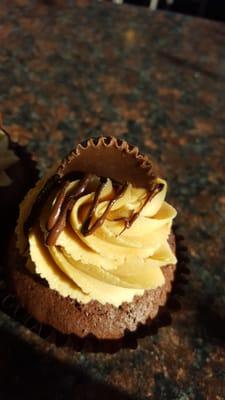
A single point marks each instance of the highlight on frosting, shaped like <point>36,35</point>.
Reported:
<point>7,158</point>
<point>118,259</point>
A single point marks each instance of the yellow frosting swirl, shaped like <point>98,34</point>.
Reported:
<point>106,266</point>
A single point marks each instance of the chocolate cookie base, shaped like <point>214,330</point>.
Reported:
<point>70,317</point>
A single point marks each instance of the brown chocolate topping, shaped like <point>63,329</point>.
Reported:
<point>99,189</point>
<point>103,157</point>
<point>59,214</point>
<point>128,222</point>
<point>50,185</point>
<point>86,230</point>
<point>54,215</point>
<point>61,221</point>
<point>39,202</point>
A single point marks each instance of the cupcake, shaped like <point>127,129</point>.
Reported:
<point>94,252</point>
<point>17,174</point>
<point>7,159</point>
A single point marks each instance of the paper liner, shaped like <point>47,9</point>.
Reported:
<point>69,343</point>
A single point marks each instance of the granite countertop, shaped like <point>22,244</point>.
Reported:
<point>158,80</point>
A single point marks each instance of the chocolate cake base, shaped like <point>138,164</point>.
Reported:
<point>70,317</point>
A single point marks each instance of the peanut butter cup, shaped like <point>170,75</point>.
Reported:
<point>95,251</point>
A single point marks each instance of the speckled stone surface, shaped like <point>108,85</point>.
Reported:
<point>157,79</point>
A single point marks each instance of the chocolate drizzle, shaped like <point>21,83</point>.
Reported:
<point>128,222</point>
<point>39,202</point>
<point>54,215</point>
<point>86,223</point>
<point>65,201</point>
<point>42,197</point>
<point>86,229</point>
<point>58,216</point>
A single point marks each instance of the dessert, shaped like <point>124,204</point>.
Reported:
<point>7,159</point>
<point>95,250</point>
<point>17,174</point>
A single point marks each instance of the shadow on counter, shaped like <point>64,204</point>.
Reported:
<point>25,374</point>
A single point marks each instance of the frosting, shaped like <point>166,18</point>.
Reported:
<point>94,239</point>
<point>7,158</point>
